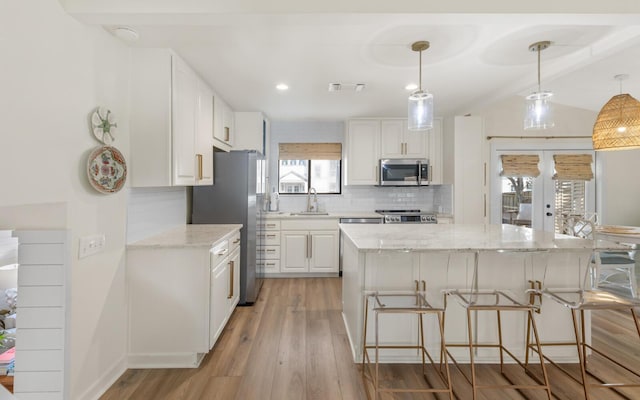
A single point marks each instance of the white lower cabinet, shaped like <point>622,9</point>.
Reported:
<point>180,299</point>
<point>269,248</point>
<point>309,251</point>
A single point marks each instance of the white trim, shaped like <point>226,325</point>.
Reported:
<point>167,360</point>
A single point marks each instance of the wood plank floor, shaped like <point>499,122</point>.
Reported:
<point>292,344</point>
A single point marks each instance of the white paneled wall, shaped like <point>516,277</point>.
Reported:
<point>155,210</point>
<point>41,315</point>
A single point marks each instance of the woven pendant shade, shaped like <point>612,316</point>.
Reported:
<point>618,124</point>
<point>519,165</point>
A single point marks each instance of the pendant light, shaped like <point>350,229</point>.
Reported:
<point>420,102</point>
<point>618,124</point>
<point>538,113</point>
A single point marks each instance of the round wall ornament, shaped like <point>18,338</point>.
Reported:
<point>106,169</point>
<point>104,125</point>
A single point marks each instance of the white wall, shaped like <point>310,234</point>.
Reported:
<point>55,71</point>
<point>617,190</point>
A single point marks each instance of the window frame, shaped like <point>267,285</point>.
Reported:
<point>309,183</point>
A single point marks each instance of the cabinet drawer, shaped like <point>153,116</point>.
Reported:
<point>271,266</point>
<point>269,253</point>
<point>310,224</point>
<point>219,252</point>
<point>269,225</point>
<point>270,238</point>
<point>234,241</point>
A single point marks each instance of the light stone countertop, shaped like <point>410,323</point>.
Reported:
<point>197,235</point>
<point>462,237</point>
<point>332,214</point>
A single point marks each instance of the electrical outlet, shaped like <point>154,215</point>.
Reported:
<point>91,244</point>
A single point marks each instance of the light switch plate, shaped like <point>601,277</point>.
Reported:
<point>91,244</point>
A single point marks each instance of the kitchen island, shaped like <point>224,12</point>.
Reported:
<point>389,257</point>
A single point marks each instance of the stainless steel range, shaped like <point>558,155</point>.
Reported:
<point>407,217</point>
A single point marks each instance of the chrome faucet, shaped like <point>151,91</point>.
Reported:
<point>314,206</point>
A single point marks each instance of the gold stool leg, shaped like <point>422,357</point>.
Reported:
<point>377,380</point>
<point>422,350</point>
<point>443,354</point>
<point>545,377</point>
<point>500,342</point>
<point>581,355</point>
<point>471,358</point>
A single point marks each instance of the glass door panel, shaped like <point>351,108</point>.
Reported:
<point>538,202</point>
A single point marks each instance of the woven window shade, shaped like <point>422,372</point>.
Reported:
<point>310,151</point>
<point>520,165</point>
<point>618,124</point>
<point>573,167</point>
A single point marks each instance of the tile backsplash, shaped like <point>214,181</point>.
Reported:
<point>436,198</point>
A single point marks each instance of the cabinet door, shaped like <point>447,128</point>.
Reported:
<point>363,152</point>
<point>204,135</point>
<point>391,139</point>
<point>415,142</point>
<point>233,295</point>
<point>228,122</point>
<point>435,152</point>
<point>323,253</point>
<point>223,121</point>
<point>218,304</point>
<point>184,123</point>
<point>294,253</point>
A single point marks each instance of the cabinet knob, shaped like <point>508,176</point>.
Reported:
<point>549,214</point>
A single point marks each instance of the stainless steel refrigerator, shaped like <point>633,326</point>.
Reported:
<point>236,198</point>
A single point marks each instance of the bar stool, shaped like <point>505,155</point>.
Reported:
<point>498,301</point>
<point>403,302</point>
<point>579,301</point>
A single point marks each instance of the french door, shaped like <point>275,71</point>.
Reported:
<point>538,202</point>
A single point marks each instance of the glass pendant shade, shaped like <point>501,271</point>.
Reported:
<point>538,113</point>
<point>618,124</point>
<point>420,111</point>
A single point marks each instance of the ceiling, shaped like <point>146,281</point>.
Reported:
<point>474,59</point>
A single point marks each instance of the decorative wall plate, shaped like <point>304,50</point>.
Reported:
<point>104,125</point>
<point>107,169</point>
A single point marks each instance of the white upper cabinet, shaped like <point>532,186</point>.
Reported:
<point>171,117</point>
<point>363,152</point>
<point>204,136</point>
<point>251,132</point>
<point>435,152</point>
<point>396,141</point>
<point>223,124</point>
<point>369,140</point>
<point>184,102</point>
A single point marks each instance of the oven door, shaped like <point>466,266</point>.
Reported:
<point>399,172</point>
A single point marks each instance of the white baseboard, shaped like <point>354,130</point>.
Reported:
<point>100,386</point>
<point>165,360</point>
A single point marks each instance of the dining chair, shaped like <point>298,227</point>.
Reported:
<point>583,299</point>
<point>614,270</point>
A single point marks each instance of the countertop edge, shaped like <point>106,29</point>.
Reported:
<point>187,236</point>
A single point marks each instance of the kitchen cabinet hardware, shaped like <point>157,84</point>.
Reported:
<point>417,285</point>
<point>549,214</point>
<point>199,160</point>
<point>222,252</point>
<point>231,268</point>
<point>236,241</point>
<point>424,285</point>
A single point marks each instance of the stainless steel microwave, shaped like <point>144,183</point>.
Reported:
<point>404,172</point>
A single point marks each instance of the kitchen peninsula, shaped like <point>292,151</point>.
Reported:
<point>390,257</point>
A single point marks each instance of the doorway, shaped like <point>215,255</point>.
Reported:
<point>539,202</point>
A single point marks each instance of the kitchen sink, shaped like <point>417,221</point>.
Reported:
<point>309,213</point>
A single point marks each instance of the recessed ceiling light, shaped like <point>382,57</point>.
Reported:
<point>411,86</point>
<point>282,86</point>
<point>126,33</point>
